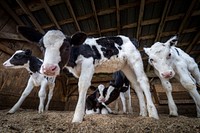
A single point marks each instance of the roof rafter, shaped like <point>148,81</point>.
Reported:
<point>118,17</point>
<point>95,16</point>
<point>49,12</point>
<point>11,12</point>
<point>162,21</point>
<point>161,25</point>
<point>187,15</point>
<point>194,41</point>
<point>31,17</point>
<point>141,13</point>
<point>72,14</point>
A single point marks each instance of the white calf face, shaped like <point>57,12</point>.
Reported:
<point>101,97</point>
<point>161,57</point>
<point>53,41</point>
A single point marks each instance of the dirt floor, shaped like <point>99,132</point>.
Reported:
<point>29,121</point>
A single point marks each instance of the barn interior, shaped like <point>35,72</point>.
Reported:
<point>148,21</point>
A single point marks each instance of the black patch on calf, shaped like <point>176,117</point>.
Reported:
<point>108,45</point>
<point>177,51</point>
<point>19,59</point>
<point>84,50</point>
<point>35,64</point>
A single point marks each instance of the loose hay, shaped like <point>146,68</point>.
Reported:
<point>57,122</point>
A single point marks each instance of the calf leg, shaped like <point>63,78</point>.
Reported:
<point>135,62</point>
<point>190,85</point>
<point>123,99</point>
<point>194,70</point>
<point>130,109</point>
<point>134,84</point>
<point>25,93</point>
<point>42,96</point>
<point>50,95</point>
<point>87,71</point>
<point>168,89</point>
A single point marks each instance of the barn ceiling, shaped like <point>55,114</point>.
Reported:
<point>147,20</point>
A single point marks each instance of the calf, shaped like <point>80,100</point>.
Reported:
<point>95,103</point>
<point>24,59</point>
<point>168,62</point>
<point>84,56</point>
<point>121,86</point>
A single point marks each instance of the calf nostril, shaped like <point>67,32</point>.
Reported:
<point>53,68</point>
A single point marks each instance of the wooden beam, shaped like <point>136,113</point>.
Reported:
<point>11,36</point>
<point>72,14</point>
<point>198,59</point>
<point>187,15</point>
<point>49,12</point>
<point>6,49</point>
<point>31,17</point>
<point>141,13</point>
<point>118,17</point>
<point>162,21</point>
<point>161,25</point>
<point>95,16</point>
<point>194,41</point>
<point>11,12</point>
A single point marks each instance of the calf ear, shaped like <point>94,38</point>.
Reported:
<point>28,52</point>
<point>173,41</point>
<point>146,50</point>
<point>30,33</point>
<point>78,38</point>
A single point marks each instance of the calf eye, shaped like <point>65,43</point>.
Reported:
<point>18,56</point>
<point>169,56</point>
<point>151,60</point>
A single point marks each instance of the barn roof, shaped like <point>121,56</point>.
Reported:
<point>146,20</point>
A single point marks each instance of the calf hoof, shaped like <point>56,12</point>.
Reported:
<point>173,114</point>
<point>11,112</point>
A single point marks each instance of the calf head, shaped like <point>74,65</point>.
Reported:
<point>56,45</point>
<point>102,91</point>
<point>19,59</point>
<point>161,57</point>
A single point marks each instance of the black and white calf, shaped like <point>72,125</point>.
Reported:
<point>24,59</point>
<point>95,103</point>
<point>168,62</point>
<point>119,86</point>
<point>85,56</point>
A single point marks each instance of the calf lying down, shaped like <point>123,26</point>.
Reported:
<point>119,86</point>
<point>24,59</point>
<point>95,103</point>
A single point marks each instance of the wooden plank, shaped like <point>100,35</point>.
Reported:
<point>118,17</point>
<point>49,12</point>
<point>162,21</point>
<point>72,14</point>
<point>31,17</point>
<point>141,13</point>
<point>11,12</point>
<point>194,41</point>
<point>11,36</point>
<point>6,49</point>
<point>187,15</point>
<point>95,16</point>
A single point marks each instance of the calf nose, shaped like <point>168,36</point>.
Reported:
<point>167,74</point>
<point>101,99</point>
<point>48,69</point>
